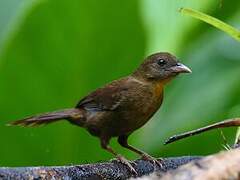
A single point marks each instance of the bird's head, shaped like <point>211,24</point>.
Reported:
<point>160,67</point>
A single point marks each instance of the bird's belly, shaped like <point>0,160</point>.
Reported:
<point>143,115</point>
<point>134,113</point>
<point>131,119</point>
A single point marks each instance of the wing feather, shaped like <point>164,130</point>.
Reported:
<point>107,98</point>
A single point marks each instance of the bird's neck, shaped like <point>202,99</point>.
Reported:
<point>156,86</point>
<point>148,80</point>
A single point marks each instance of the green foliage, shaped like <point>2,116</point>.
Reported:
<point>213,21</point>
<point>55,52</point>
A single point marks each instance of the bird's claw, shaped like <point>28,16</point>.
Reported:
<point>152,160</point>
<point>128,163</point>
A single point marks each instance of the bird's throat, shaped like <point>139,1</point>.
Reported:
<point>158,89</point>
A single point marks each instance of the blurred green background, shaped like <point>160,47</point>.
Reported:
<point>53,52</point>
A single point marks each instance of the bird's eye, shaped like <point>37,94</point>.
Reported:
<point>161,62</point>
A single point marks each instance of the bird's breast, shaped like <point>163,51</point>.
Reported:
<point>143,106</point>
<point>158,90</point>
<point>138,104</point>
<point>153,102</point>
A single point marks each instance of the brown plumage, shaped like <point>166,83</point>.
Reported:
<point>122,106</point>
<point>47,118</point>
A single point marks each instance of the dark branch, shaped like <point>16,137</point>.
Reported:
<point>222,124</point>
<point>108,170</point>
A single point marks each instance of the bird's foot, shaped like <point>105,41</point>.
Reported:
<point>152,160</point>
<point>127,163</point>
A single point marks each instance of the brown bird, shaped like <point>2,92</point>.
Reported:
<point>120,107</point>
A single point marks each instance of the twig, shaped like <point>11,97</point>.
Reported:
<point>223,124</point>
<point>226,146</point>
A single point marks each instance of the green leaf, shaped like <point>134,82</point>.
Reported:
<point>233,32</point>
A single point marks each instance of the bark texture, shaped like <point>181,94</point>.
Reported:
<point>222,166</point>
<point>108,170</point>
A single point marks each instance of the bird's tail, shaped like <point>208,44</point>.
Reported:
<point>46,118</point>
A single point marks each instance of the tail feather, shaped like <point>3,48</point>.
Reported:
<point>47,118</point>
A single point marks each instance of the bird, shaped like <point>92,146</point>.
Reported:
<point>120,107</point>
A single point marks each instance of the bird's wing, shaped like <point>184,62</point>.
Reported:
<point>107,98</point>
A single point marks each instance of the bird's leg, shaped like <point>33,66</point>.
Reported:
<point>122,159</point>
<point>123,142</point>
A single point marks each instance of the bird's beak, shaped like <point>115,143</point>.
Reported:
<point>180,68</point>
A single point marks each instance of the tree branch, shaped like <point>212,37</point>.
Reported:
<point>108,170</point>
<point>224,165</point>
